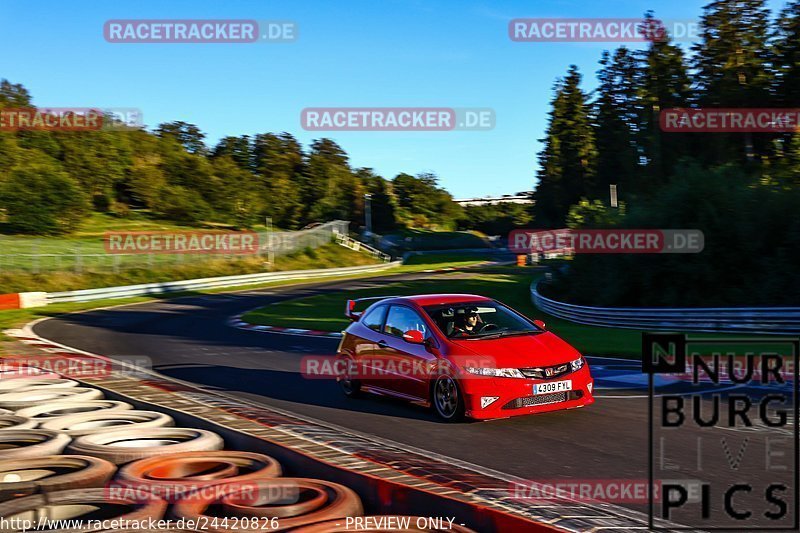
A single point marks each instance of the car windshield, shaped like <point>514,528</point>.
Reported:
<point>479,320</point>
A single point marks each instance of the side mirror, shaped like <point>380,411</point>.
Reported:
<point>539,324</point>
<point>414,336</point>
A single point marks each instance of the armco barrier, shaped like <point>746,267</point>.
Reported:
<point>770,320</point>
<point>22,300</point>
<point>145,289</point>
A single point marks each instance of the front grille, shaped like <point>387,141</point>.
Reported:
<point>544,399</point>
<point>539,399</point>
<point>541,373</point>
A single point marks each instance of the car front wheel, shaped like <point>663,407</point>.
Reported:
<point>447,399</point>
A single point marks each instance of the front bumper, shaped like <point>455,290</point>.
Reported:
<point>514,396</point>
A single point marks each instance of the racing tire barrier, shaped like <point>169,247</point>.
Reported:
<point>52,473</point>
<point>20,371</point>
<point>53,410</point>
<point>16,422</point>
<point>102,421</point>
<point>11,385</point>
<point>21,398</point>
<point>16,444</point>
<point>122,446</point>
<point>75,504</point>
<point>316,501</point>
<point>182,472</point>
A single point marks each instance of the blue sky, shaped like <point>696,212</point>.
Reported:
<point>350,53</point>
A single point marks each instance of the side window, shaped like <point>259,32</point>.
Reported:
<point>374,318</point>
<point>402,319</point>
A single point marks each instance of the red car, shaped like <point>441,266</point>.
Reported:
<point>463,354</point>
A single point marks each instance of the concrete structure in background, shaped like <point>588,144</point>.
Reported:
<point>523,197</point>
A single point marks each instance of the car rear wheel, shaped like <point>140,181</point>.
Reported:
<point>350,386</point>
<point>447,399</point>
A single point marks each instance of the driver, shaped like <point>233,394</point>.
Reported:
<point>468,324</point>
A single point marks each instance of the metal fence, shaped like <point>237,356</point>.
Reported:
<point>358,246</point>
<point>771,320</point>
<point>41,255</point>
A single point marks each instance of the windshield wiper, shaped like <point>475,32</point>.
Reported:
<point>503,334</point>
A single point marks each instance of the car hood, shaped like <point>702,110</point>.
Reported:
<point>523,351</point>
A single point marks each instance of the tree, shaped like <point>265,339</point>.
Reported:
<point>567,163</point>
<point>238,149</point>
<point>664,84</point>
<point>329,187</point>
<point>188,135</point>
<point>382,200</point>
<point>423,203</point>
<point>495,219</point>
<point>13,95</point>
<point>240,201</point>
<point>98,160</point>
<point>786,51</point>
<point>732,69</point>
<point>40,198</point>
<point>279,168</point>
<point>617,111</point>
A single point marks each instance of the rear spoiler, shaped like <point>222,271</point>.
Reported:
<point>354,315</point>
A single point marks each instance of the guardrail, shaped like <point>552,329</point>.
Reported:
<point>87,295</point>
<point>770,320</point>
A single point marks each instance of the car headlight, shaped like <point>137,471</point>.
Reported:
<point>495,372</point>
<point>577,364</point>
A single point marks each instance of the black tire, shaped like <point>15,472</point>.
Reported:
<point>447,399</point>
<point>351,388</point>
<point>63,472</point>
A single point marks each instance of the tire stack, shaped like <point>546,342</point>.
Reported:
<point>66,453</point>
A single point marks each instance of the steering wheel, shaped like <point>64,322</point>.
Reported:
<point>488,327</point>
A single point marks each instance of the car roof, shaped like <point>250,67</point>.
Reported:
<point>441,299</point>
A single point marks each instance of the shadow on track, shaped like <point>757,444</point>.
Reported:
<point>291,387</point>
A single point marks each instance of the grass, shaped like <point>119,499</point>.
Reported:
<point>18,317</point>
<point>508,284</point>
<point>327,256</point>
<point>60,253</point>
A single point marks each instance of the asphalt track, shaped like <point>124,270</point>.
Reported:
<point>188,338</point>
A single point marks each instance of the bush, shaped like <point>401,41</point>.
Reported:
<point>40,198</point>
<point>183,205</point>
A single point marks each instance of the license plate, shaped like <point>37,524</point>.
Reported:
<point>552,386</point>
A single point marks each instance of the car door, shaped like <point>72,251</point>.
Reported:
<point>403,363</point>
<point>367,345</point>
